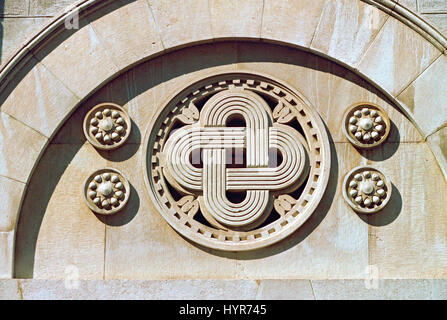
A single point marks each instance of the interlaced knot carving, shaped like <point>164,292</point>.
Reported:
<point>236,161</point>
<point>212,136</point>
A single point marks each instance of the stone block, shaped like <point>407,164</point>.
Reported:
<point>292,22</point>
<point>235,18</point>
<point>49,7</point>
<point>438,145</point>
<point>10,197</point>
<point>138,289</point>
<point>426,97</point>
<point>347,29</point>
<point>439,21</point>
<point>409,4</point>
<point>78,59</point>
<point>14,7</point>
<point>6,254</point>
<point>285,290</point>
<point>38,98</point>
<point>413,219</point>
<point>10,290</point>
<point>397,56</point>
<point>128,30</point>
<point>20,148</point>
<point>16,31</point>
<point>432,6</point>
<point>182,22</point>
<point>399,289</point>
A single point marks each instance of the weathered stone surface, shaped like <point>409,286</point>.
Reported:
<point>14,7</point>
<point>6,254</point>
<point>432,5</point>
<point>10,196</point>
<point>409,4</point>
<point>87,56</point>
<point>438,144</point>
<point>17,162</point>
<point>17,31</point>
<point>49,7</point>
<point>127,30</point>
<point>226,17</point>
<point>397,56</point>
<point>279,24</point>
<point>146,290</point>
<point>427,107</point>
<point>10,290</point>
<point>346,29</point>
<point>223,289</point>
<point>180,22</point>
<point>285,290</point>
<point>439,21</point>
<point>413,219</point>
<point>39,99</point>
<point>382,289</point>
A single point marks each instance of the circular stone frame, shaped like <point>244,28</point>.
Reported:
<point>350,113</point>
<point>89,202</point>
<point>91,114</point>
<point>231,240</point>
<point>356,207</point>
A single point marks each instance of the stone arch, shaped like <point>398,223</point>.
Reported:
<point>47,76</point>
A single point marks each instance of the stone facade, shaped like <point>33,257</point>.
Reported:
<point>85,215</point>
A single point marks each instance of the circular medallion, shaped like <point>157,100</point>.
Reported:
<point>366,125</point>
<point>237,161</point>
<point>366,189</point>
<point>107,126</point>
<point>106,191</point>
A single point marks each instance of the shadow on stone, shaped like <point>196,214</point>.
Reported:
<point>388,214</point>
<point>126,151</point>
<point>46,177</point>
<point>126,215</point>
<point>385,150</point>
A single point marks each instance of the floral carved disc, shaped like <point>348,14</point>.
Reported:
<point>237,161</point>
<point>366,125</point>
<point>106,191</point>
<point>366,189</point>
<point>107,126</point>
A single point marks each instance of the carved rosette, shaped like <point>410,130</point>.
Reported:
<point>366,125</point>
<point>107,126</point>
<point>366,190</point>
<point>106,191</point>
<point>237,161</point>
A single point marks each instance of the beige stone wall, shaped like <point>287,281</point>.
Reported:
<point>434,11</point>
<point>21,19</point>
<point>407,240</point>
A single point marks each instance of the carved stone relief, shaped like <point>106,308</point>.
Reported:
<point>366,190</point>
<point>237,161</point>
<point>366,125</point>
<point>106,191</point>
<point>107,126</point>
